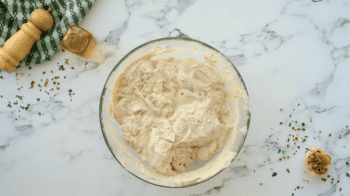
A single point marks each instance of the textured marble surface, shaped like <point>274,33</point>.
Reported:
<point>293,55</point>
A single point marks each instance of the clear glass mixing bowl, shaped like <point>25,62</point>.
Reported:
<point>129,158</point>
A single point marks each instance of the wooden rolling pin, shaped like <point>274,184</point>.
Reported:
<point>19,45</point>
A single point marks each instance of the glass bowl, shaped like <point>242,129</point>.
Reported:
<point>201,171</point>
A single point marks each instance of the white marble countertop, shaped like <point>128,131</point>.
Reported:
<point>293,55</point>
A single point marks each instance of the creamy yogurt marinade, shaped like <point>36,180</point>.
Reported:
<point>173,111</point>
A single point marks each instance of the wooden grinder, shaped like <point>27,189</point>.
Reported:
<point>19,45</point>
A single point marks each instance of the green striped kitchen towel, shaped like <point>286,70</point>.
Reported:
<point>14,13</point>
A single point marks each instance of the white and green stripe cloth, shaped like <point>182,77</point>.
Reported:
<point>14,13</point>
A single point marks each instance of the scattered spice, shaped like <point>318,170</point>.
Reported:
<point>324,179</point>
<point>58,88</point>
<point>304,140</point>
<point>281,109</point>
<point>32,84</point>
<point>298,129</point>
<point>54,82</point>
<point>330,135</point>
<point>293,128</point>
<point>318,91</point>
<point>56,77</point>
<point>303,129</point>
<point>319,131</point>
<point>332,178</point>
<point>51,71</point>
<point>287,157</point>
<point>287,145</point>
<point>296,138</point>
<point>328,176</point>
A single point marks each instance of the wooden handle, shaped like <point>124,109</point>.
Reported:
<point>19,45</point>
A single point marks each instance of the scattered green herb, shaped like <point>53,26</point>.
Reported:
<point>347,163</point>
<point>9,105</point>
<point>25,108</point>
<point>303,124</point>
<point>39,113</point>
<point>290,124</point>
<point>61,67</point>
<point>288,170</point>
<point>43,74</point>
<point>279,150</point>
<point>347,174</point>
<point>281,123</point>
<point>38,99</point>
<point>274,174</point>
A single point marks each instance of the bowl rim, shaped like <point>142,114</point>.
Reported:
<point>132,51</point>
